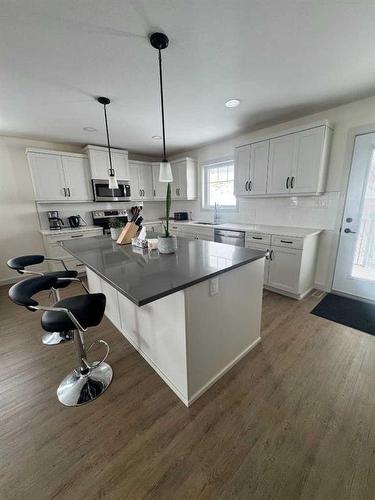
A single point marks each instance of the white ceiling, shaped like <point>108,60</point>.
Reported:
<point>282,58</point>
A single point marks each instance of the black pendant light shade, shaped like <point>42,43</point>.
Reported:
<point>112,181</point>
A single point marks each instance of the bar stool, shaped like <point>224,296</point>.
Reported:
<point>20,263</point>
<point>75,314</point>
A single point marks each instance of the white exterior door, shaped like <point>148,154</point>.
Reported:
<point>48,177</point>
<point>355,265</point>
<point>306,168</point>
<point>284,270</point>
<point>281,159</point>
<point>258,168</point>
<point>77,178</point>
<point>242,171</point>
<point>160,188</point>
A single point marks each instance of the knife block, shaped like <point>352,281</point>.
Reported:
<point>129,232</point>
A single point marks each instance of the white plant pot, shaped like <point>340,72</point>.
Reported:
<point>167,245</point>
<point>115,232</point>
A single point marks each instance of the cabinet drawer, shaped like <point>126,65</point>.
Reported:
<point>287,241</point>
<point>258,238</point>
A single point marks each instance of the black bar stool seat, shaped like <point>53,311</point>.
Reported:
<point>88,309</point>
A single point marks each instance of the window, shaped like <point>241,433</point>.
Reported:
<point>218,185</point>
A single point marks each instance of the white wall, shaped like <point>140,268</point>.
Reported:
<point>323,212</point>
<point>19,225</point>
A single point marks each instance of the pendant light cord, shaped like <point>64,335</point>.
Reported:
<point>111,172</point>
<point>162,105</point>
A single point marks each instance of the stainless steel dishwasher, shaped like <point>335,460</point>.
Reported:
<point>236,238</point>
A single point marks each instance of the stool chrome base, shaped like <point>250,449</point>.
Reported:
<point>57,338</point>
<point>78,389</point>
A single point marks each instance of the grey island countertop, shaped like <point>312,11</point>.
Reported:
<point>144,277</point>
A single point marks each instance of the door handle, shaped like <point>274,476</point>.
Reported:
<point>246,185</point>
<point>348,231</point>
<point>287,182</point>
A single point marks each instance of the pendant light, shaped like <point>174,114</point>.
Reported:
<point>160,41</point>
<point>112,181</point>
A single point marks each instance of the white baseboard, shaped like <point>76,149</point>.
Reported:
<point>223,371</point>
<point>323,287</point>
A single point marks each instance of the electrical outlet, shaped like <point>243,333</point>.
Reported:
<point>214,286</point>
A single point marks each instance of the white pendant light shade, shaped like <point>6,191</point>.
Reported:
<point>112,182</point>
<point>165,172</point>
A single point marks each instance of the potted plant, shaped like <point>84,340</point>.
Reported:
<point>116,227</point>
<point>167,243</point>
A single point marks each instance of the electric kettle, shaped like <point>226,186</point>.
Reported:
<point>75,221</point>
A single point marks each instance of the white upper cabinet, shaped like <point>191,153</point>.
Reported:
<point>141,185</point>
<point>184,185</point>
<point>59,176</point>
<point>282,153</point>
<point>77,176</point>
<point>294,163</point>
<point>242,170</point>
<point>160,188</point>
<point>99,162</point>
<point>258,167</point>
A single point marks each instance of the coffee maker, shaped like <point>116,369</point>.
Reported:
<point>54,220</point>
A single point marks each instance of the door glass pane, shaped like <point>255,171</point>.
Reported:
<point>364,255</point>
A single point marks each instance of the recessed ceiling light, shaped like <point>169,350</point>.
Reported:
<point>156,137</point>
<point>89,129</point>
<point>232,103</point>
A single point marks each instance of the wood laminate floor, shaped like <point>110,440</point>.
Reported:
<point>293,420</point>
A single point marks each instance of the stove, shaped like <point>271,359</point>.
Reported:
<point>102,218</point>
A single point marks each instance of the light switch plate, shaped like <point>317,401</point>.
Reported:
<point>214,286</point>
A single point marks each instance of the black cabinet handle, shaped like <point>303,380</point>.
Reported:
<point>271,255</point>
<point>287,182</point>
<point>267,255</point>
<point>292,183</point>
<point>250,185</point>
<point>77,236</point>
<point>154,192</point>
<point>257,237</point>
<point>246,185</point>
<point>285,241</point>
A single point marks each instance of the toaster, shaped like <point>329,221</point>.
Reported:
<point>181,216</point>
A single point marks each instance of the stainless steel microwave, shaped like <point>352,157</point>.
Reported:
<point>103,193</point>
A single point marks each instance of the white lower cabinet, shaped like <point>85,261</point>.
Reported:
<point>290,262</point>
<point>284,269</point>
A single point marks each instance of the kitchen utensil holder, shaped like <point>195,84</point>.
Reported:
<point>129,232</point>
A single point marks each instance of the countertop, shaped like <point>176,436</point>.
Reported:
<point>144,277</point>
<point>256,228</point>
<point>68,230</point>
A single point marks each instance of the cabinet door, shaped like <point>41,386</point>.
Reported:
<point>99,163</point>
<point>266,250</point>
<point>307,167</point>
<point>176,184</point>
<point>284,269</point>
<point>77,178</point>
<point>121,165</point>
<point>281,158</point>
<point>145,181</point>
<point>160,188</point>
<point>258,168</point>
<point>242,171</point>
<point>135,190</point>
<point>47,176</point>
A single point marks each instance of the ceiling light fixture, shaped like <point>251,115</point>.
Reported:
<point>112,181</point>
<point>89,129</point>
<point>160,41</point>
<point>232,103</point>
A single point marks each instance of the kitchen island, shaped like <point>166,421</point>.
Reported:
<point>191,315</point>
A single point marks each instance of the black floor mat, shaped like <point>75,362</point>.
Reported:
<point>348,312</point>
